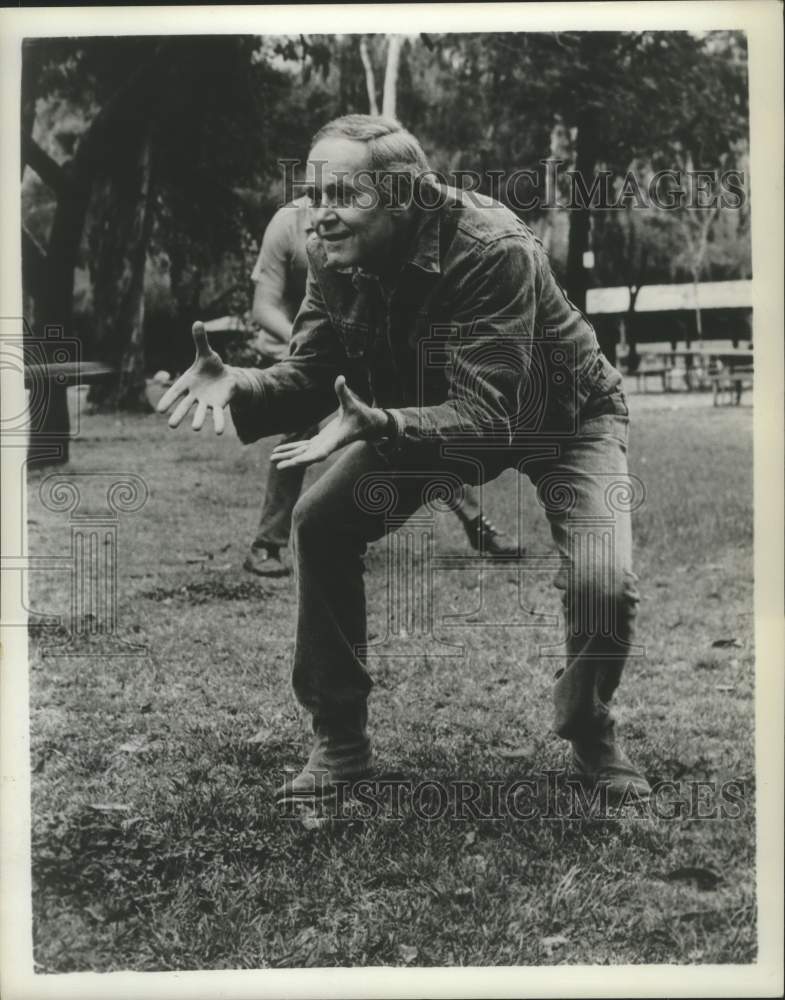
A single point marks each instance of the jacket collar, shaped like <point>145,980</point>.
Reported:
<point>423,251</point>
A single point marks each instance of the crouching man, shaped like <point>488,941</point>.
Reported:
<point>434,317</point>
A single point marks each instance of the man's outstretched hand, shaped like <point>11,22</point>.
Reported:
<point>208,384</point>
<point>356,421</point>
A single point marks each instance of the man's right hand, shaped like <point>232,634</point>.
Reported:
<point>208,383</point>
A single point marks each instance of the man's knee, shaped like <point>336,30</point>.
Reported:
<point>309,520</point>
<point>603,596</point>
<point>318,523</point>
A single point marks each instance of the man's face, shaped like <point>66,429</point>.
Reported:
<point>354,227</point>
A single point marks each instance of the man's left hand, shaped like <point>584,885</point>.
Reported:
<point>356,421</point>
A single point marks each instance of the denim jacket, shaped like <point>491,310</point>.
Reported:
<point>476,345</point>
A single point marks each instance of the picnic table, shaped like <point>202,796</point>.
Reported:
<point>731,371</point>
<point>50,425</point>
<point>724,368</point>
<point>671,359</point>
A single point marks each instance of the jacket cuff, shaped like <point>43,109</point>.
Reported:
<point>390,444</point>
<point>246,407</point>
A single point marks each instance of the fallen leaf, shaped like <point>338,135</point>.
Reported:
<point>704,878</point>
<point>725,643</point>
<point>306,936</point>
<point>313,821</point>
<point>132,821</point>
<point>263,736</point>
<point>109,807</point>
<point>470,838</point>
<point>408,953</point>
<point>137,744</point>
<point>517,753</point>
<point>552,942</point>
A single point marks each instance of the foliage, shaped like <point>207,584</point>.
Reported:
<point>227,108</point>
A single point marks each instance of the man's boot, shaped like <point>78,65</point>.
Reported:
<point>598,759</point>
<point>341,753</point>
<point>488,540</point>
<point>265,560</point>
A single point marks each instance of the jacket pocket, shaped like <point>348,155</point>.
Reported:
<point>600,378</point>
<point>353,336</point>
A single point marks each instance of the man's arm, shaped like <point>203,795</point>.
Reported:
<point>270,276</point>
<point>267,311</point>
<point>298,391</point>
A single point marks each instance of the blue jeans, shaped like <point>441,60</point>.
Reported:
<point>283,491</point>
<point>582,484</point>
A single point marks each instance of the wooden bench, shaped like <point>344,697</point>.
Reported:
<point>50,425</point>
<point>733,381</point>
<point>663,372</point>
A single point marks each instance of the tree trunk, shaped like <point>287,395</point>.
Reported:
<point>577,277</point>
<point>123,223</point>
<point>698,319</point>
<point>62,255</point>
<point>390,94</point>
<point>633,357</point>
<point>101,149</point>
<point>370,79</point>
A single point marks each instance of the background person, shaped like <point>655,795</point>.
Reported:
<point>279,275</point>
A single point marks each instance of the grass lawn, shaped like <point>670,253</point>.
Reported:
<point>156,841</point>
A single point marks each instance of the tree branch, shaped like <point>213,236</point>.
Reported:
<point>34,269</point>
<point>50,172</point>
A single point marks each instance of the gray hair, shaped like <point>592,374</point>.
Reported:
<point>392,149</point>
<point>390,145</point>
